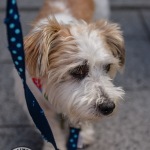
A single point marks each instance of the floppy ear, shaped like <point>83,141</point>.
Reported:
<point>37,45</point>
<point>113,38</point>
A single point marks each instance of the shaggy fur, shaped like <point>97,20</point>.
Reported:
<point>76,60</point>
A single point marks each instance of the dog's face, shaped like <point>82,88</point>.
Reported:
<point>77,64</point>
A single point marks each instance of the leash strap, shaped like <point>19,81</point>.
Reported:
<point>15,41</point>
<point>72,143</point>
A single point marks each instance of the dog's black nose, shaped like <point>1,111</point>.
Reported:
<point>106,108</point>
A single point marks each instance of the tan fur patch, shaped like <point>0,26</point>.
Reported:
<point>38,44</point>
<point>49,9</point>
<point>45,48</point>
<point>82,9</point>
<point>113,39</point>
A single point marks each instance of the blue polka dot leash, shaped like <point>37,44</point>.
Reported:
<point>72,143</point>
<point>15,40</point>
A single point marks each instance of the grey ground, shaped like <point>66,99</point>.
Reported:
<point>129,129</point>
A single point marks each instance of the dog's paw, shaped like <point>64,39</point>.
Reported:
<point>87,137</point>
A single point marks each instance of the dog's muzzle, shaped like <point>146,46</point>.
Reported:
<point>106,108</point>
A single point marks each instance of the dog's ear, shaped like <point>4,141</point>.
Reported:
<point>113,39</point>
<point>38,44</point>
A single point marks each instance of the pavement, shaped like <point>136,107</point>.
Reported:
<point>129,129</point>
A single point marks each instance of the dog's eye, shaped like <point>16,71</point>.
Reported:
<point>80,72</point>
<point>107,67</point>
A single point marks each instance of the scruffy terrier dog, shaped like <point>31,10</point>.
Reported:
<point>76,61</point>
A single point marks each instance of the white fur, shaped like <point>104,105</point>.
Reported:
<point>102,10</point>
<point>58,4</point>
<point>77,102</point>
<point>77,99</point>
<point>91,45</point>
<point>64,17</point>
<point>48,109</point>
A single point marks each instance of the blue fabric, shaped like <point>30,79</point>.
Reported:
<point>15,40</point>
<point>73,139</point>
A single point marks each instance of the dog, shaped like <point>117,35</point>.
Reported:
<point>76,60</point>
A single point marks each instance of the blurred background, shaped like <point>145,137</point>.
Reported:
<point>129,129</point>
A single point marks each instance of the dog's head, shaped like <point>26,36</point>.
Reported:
<point>77,63</point>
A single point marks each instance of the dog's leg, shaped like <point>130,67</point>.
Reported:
<point>87,136</point>
<point>59,135</point>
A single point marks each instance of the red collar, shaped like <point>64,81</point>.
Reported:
<point>37,82</point>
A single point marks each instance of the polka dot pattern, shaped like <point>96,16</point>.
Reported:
<point>42,112</point>
<point>20,70</point>
<point>15,16</point>
<point>12,25</point>
<point>13,2</point>
<point>16,62</point>
<point>15,41</point>
<point>14,51</point>
<point>20,58</point>
<point>18,45</point>
<point>33,103</point>
<point>10,11</point>
<point>73,139</point>
<point>17,31</point>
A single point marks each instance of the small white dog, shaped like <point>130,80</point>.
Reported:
<point>76,61</point>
